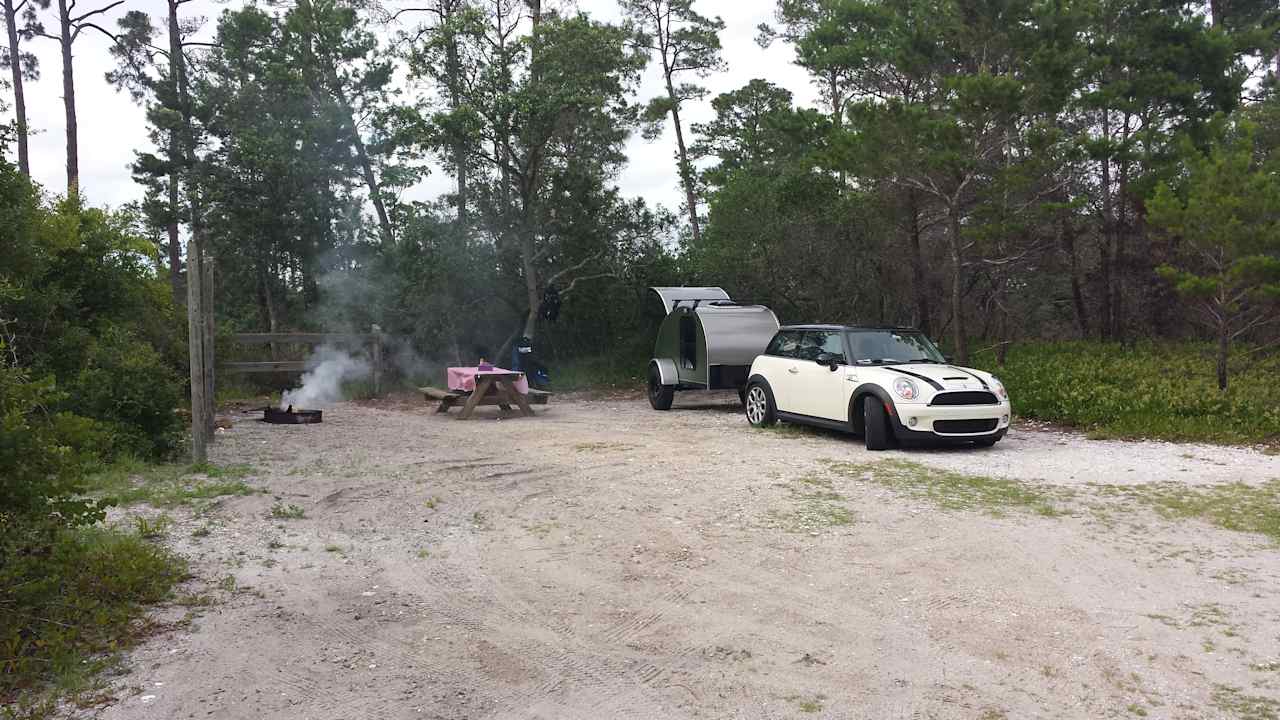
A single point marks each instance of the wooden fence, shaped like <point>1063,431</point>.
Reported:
<point>371,339</point>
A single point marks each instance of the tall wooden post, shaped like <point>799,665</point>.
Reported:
<point>208,266</point>
<point>377,361</point>
<point>196,352</point>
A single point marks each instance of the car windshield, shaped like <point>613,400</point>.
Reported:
<point>883,347</point>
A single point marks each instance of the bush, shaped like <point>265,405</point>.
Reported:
<point>42,460</point>
<point>1149,390</point>
<point>67,608</point>
<point>127,386</point>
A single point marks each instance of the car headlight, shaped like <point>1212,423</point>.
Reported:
<point>906,389</point>
<point>998,387</point>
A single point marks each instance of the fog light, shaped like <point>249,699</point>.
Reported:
<point>911,422</point>
<point>1004,419</point>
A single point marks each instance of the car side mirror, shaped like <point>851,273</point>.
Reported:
<point>833,363</point>
<point>949,359</point>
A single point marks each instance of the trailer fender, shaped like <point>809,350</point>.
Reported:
<point>666,370</point>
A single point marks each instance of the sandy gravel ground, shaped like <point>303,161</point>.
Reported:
<point>608,561</point>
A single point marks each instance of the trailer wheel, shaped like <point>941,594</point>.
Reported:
<point>875,424</point>
<point>761,412</point>
<point>660,396</point>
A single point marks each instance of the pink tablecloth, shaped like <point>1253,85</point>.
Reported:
<point>464,378</point>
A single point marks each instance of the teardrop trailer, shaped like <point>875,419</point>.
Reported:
<point>705,342</point>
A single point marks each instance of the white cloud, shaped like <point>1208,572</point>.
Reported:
<point>113,128</point>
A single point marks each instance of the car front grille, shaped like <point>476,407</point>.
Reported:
<point>970,397</point>
<point>960,427</point>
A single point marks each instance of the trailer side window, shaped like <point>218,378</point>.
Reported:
<point>688,342</point>
<point>784,344</point>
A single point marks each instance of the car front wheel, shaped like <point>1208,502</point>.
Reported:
<point>760,409</point>
<point>875,424</point>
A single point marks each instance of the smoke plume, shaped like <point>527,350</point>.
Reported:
<point>322,384</point>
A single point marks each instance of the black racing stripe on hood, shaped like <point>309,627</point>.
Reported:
<point>931,381</point>
<point>973,375</point>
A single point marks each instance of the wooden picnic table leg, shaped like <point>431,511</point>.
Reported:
<point>444,405</point>
<point>520,398</point>
<point>483,384</point>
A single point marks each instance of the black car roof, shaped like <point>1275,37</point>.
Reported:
<point>847,327</point>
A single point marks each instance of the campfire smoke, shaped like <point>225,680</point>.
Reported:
<point>322,384</point>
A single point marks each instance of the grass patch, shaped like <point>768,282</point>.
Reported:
<point>1245,707</point>
<point>956,491</point>
<point>817,507</point>
<point>1232,506</point>
<point>67,612</point>
<point>280,511</point>
<point>1147,390</point>
<point>602,446</point>
<point>599,374</point>
<point>131,482</point>
<point>152,528</point>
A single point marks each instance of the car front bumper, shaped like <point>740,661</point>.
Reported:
<point>951,422</point>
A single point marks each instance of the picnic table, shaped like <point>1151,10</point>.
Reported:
<point>472,387</point>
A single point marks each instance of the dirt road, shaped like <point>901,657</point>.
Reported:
<point>608,561</point>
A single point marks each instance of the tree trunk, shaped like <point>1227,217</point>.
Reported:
<point>686,170</point>
<point>69,100</point>
<point>453,68</point>
<point>208,274</point>
<point>1224,348</point>
<point>959,339</point>
<point>918,289</point>
<point>1073,263</point>
<point>371,180</point>
<point>175,248</point>
<point>200,347</point>
<point>1105,324</point>
<point>19,97</point>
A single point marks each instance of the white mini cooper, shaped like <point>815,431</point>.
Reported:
<point>885,384</point>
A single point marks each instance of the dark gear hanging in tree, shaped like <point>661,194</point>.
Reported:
<point>551,303</point>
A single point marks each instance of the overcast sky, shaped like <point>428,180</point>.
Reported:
<point>113,128</point>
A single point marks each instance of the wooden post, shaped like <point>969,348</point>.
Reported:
<point>195,346</point>
<point>377,360</point>
<point>208,266</point>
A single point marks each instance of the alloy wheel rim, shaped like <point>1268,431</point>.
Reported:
<point>755,405</point>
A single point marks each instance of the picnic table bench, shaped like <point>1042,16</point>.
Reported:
<point>491,389</point>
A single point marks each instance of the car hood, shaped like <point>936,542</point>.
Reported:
<point>950,377</point>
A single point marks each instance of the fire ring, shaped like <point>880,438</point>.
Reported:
<point>291,416</point>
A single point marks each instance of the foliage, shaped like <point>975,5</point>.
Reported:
<point>70,607</point>
<point>87,313</point>
<point>43,455</point>
<point>1148,390</point>
<point>1226,228</point>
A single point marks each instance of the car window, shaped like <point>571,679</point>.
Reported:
<point>822,346</point>
<point>784,344</point>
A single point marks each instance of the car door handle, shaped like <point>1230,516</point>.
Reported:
<point>793,370</point>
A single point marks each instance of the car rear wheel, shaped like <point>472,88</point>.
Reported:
<point>660,396</point>
<point>761,411</point>
<point>875,424</point>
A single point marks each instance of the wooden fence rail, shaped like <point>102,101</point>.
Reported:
<point>372,339</point>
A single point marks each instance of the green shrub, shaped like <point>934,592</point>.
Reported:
<point>1148,390</point>
<point>42,460</point>
<point>68,607</point>
<point>126,385</point>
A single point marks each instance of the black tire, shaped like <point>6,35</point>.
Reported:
<point>876,432</point>
<point>660,396</point>
<point>759,406</point>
